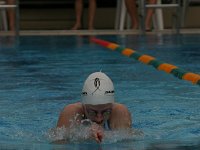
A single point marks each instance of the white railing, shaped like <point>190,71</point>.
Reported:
<point>121,14</point>
<point>3,8</point>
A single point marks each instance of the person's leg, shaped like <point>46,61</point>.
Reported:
<point>150,11</point>
<point>91,14</point>
<point>78,10</point>
<point>132,10</point>
<point>11,15</point>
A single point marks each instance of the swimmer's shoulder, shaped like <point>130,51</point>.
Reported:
<point>120,117</point>
<point>118,106</point>
<point>119,110</point>
<point>68,113</point>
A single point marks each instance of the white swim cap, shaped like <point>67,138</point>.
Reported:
<point>98,89</point>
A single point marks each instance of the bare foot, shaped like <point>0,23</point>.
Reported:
<point>135,26</point>
<point>148,28</point>
<point>91,28</point>
<point>76,27</point>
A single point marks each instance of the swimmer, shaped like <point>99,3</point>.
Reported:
<point>97,105</point>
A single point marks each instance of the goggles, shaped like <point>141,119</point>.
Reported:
<point>93,113</point>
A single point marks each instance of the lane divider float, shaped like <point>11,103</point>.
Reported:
<point>149,60</point>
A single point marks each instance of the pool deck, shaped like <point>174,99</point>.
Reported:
<point>97,32</point>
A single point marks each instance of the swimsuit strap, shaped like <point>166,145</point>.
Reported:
<point>107,125</point>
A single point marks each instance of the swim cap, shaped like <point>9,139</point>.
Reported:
<point>98,89</point>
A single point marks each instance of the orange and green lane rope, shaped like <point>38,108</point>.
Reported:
<point>149,60</point>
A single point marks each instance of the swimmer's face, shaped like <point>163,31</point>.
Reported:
<point>98,113</point>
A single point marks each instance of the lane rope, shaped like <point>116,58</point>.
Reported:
<point>149,60</point>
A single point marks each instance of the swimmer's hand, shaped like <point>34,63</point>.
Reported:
<point>97,133</point>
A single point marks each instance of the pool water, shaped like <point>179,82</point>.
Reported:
<point>39,75</point>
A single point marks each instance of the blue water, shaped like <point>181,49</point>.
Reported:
<point>39,75</point>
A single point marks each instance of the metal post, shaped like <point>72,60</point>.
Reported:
<point>15,7</point>
<point>142,15</point>
<point>118,10</point>
<point>122,16</point>
<point>17,28</point>
<point>178,15</point>
<point>185,4</point>
<point>159,17</point>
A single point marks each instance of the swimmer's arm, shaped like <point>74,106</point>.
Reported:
<point>97,133</point>
<point>93,132</point>
<point>120,118</point>
<point>69,113</point>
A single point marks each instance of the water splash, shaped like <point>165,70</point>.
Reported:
<point>122,135</point>
<point>81,132</point>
